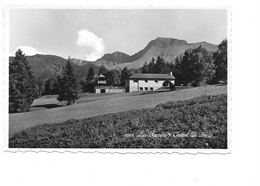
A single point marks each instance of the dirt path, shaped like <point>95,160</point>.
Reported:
<point>20,121</point>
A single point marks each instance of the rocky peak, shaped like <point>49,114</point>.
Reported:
<point>167,42</point>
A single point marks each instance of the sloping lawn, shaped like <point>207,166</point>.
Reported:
<point>196,123</point>
<point>90,105</point>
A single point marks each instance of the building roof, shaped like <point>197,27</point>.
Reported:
<point>152,76</point>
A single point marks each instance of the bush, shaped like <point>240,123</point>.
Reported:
<point>196,123</point>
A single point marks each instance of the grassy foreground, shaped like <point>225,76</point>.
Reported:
<point>196,123</point>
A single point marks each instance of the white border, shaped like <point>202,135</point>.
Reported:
<point>114,150</point>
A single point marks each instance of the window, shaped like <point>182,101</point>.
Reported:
<point>103,90</point>
<point>141,88</point>
<point>151,88</point>
<point>156,81</point>
<point>146,88</point>
<point>135,81</point>
<point>146,81</point>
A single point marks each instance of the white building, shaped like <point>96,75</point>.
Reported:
<point>149,82</point>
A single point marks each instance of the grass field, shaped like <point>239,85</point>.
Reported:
<point>200,122</point>
<point>48,110</point>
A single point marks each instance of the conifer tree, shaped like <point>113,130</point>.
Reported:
<point>220,61</point>
<point>152,66</point>
<point>161,66</point>
<point>91,74</point>
<point>90,80</point>
<point>175,68</point>
<point>22,84</point>
<point>69,86</point>
<point>145,68</point>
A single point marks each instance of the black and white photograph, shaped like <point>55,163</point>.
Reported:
<point>114,92</point>
<point>118,78</point>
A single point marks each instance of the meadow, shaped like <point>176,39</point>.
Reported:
<point>200,122</point>
<point>49,110</point>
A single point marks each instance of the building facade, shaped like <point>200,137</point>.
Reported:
<point>149,82</point>
<point>109,89</point>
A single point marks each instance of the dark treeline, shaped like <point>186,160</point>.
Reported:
<point>158,66</point>
<point>114,77</point>
<point>195,68</point>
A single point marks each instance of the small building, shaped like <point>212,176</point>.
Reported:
<point>102,87</point>
<point>101,80</point>
<point>149,82</point>
<point>109,89</point>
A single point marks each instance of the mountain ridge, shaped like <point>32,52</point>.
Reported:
<point>46,66</point>
<point>168,48</point>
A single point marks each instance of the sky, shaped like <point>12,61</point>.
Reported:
<point>90,33</point>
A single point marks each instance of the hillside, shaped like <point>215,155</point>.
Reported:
<point>81,62</point>
<point>47,66</point>
<point>163,126</point>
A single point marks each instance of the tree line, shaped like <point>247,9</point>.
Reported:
<point>114,77</point>
<point>196,67</point>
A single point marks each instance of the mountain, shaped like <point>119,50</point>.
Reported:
<point>107,60</point>
<point>168,48</point>
<point>80,62</point>
<point>47,66</point>
<point>110,60</point>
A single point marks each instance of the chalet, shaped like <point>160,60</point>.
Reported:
<point>102,86</point>
<point>149,82</point>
